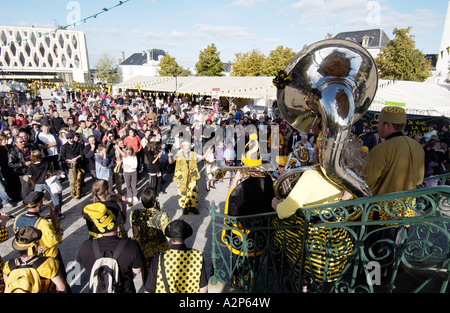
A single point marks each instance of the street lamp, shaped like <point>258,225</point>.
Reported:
<point>174,72</point>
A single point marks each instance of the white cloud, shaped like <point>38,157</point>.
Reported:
<point>223,32</point>
<point>202,31</point>
<point>344,15</point>
<point>104,31</point>
<point>272,40</point>
<point>150,35</point>
<point>247,3</point>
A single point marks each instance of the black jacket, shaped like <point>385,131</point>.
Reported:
<point>17,159</point>
<point>71,151</point>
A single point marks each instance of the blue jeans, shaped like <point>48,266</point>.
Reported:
<point>162,119</point>
<point>3,195</point>
<point>56,198</point>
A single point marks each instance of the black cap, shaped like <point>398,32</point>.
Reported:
<point>70,135</point>
<point>33,198</point>
<point>178,230</point>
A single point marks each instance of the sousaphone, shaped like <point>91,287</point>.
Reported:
<point>324,90</point>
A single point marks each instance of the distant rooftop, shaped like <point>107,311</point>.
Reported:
<point>143,57</point>
<point>372,34</point>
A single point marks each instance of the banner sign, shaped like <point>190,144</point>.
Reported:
<point>415,124</point>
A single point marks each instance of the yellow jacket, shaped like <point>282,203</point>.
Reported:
<point>311,189</point>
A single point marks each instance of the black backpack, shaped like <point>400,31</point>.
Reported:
<point>105,273</point>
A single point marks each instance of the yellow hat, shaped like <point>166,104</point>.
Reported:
<point>393,115</point>
<point>104,218</point>
<point>282,160</point>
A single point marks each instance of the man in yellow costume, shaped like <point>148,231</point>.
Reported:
<point>397,164</point>
<point>311,189</point>
<point>50,237</point>
<point>179,269</point>
<point>186,175</point>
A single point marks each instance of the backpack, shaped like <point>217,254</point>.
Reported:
<point>105,273</point>
<point>24,277</point>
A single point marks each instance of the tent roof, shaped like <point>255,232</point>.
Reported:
<point>417,98</point>
<point>236,87</point>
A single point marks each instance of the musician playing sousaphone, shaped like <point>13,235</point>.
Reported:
<point>251,192</point>
<point>323,90</point>
<point>313,188</point>
<point>72,154</point>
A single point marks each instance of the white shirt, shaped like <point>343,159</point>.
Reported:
<point>132,162</point>
<point>48,138</point>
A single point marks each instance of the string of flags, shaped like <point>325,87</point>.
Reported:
<point>161,86</point>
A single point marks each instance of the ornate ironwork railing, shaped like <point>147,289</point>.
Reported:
<point>338,247</point>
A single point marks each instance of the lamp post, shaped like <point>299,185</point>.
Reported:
<point>174,72</point>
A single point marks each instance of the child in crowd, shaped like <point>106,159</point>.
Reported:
<point>229,155</point>
<point>209,159</point>
<point>52,179</point>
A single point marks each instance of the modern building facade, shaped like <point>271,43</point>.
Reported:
<point>28,53</point>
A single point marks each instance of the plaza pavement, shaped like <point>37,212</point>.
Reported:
<point>75,230</point>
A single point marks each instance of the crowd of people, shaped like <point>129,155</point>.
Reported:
<point>118,141</point>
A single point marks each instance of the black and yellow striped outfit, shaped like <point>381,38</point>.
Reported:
<point>323,255</point>
<point>3,237</point>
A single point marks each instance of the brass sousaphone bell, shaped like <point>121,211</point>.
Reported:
<point>324,90</point>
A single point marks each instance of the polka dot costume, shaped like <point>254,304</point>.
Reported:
<point>183,271</point>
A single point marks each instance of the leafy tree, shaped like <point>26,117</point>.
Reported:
<point>169,67</point>
<point>277,60</point>
<point>400,60</point>
<point>249,64</point>
<point>255,63</point>
<point>106,70</point>
<point>209,63</point>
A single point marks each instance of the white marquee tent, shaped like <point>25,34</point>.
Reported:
<point>417,98</point>
<point>235,87</point>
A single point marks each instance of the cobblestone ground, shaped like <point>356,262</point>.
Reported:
<point>75,231</point>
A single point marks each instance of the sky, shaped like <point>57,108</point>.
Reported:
<point>183,28</point>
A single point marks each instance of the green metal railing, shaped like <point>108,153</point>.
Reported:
<point>338,247</point>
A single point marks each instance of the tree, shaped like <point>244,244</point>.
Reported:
<point>400,60</point>
<point>209,63</point>
<point>255,63</point>
<point>169,67</point>
<point>106,70</point>
<point>249,64</point>
<point>277,60</point>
